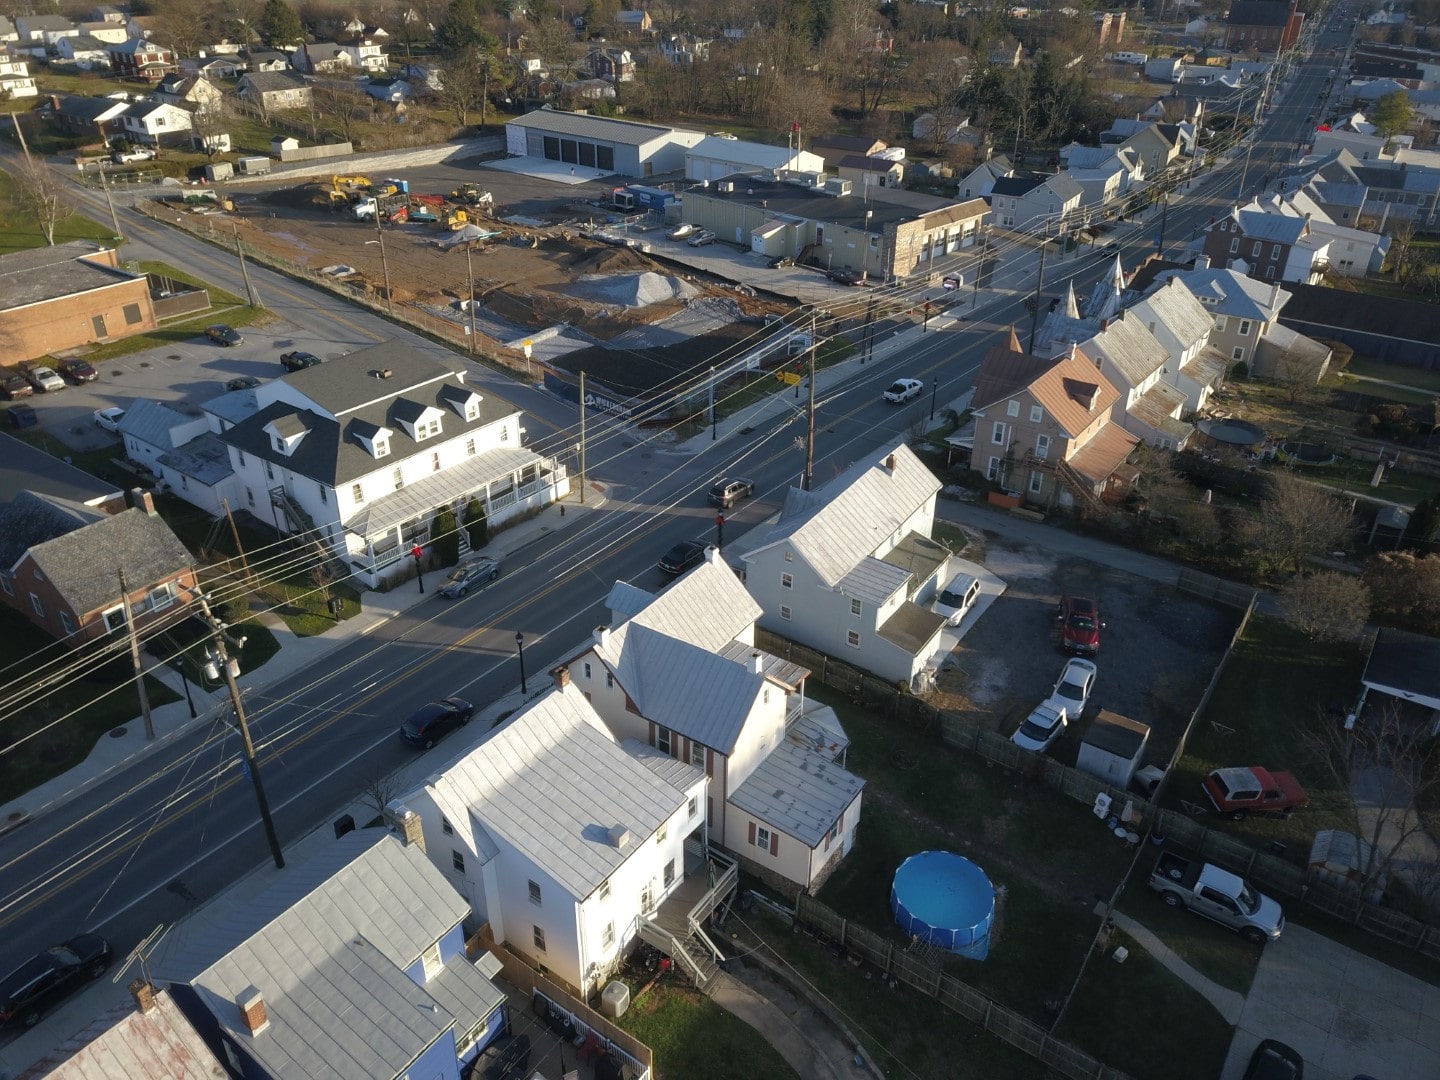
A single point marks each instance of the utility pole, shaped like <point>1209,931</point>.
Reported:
<point>19,134</point>
<point>110,202</point>
<point>135,658</point>
<point>1039,282</point>
<point>384,263</point>
<point>235,534</point>
<point>221,666</point>
<point>980,268</point>
<point>868,351</point>
<point>470,273</point>
<point>714,419</point>
<point>250,293</point>
<point>582,438</point>
<point>1164,216</point>
<point>810,437</point>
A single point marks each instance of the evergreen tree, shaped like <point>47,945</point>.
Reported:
<point>445,538</point>
<point>1424,523</point>
<point>476,524</point>
<point>461,29</point>
<point>279,25</point>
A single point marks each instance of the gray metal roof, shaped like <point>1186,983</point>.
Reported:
<point>153,422</point>
<point>25,468</point>
<point>680,775</point>
<point>1175,307</point>
<point>873,581</point>
<point>417,499</point>
<point>204,459</point>
<point>708,607</point>
<point>626,600</point>
<point>742,152</point>
<point>1258,225</point>
<point>782,671</point>
<point>1127,344</point>
<point>818,730</point>
<point>328,945</point>
<point>49,273</point>
<point>1158,405</point>
<point>1226,292</point>
<point>551,783</point>
<point>799,792</point>
<point>232,406</point>
<point>603,128</point>
<point>852,516</point>
<point>124,1043</point>
<point>886,206</point>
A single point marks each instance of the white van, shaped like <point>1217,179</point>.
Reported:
<point>1130,58</point>
<point>957,598</point>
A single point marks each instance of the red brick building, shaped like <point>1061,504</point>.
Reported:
<point>1264,26</point>
<point>71,294</point>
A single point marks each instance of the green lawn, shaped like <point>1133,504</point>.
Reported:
<point>1133,1040</point>
<point>1222,957</point>
<point>19,231</point>
<point>692,1036</point>
<point>1425,378</point>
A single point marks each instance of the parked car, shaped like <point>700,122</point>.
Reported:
<point>701,238</point>
<point>43,378</point>
<point>682,557</point>
<point>77,371</point>
<point>682,231</point>
<point>903,390</point>
<point>731,490</point>
<point>224,335</point>
<point>1041,728</point>
<point>1236,792</point>
<point>1072,689</point>
<point>1080,625</point>
<point>22,416</point>
<point>299,360</point>
<point>1217,895</point>
<point>848,277</point>
<point>431,721</point>
<point>242,382</point>
<point>14,386</point>
<point>957,598</point>
<point>781,262</point>
<point>1273,1060</point>
<point>470,574</point>
<point>135,153</point>
<point>109,419</point>
<point>43,981</point>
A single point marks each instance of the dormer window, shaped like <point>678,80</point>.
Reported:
<point>286,434</point>
<point>427,428</point>
<point>380,446</point>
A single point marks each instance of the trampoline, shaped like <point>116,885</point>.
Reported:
<point>946,900</point>
<point>1240,434</point>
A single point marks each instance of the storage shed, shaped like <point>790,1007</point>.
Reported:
<point>1112,748</point>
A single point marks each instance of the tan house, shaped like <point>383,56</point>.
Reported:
<point>1044,428</point>
<point>274,91</point>
<point>71,294</point>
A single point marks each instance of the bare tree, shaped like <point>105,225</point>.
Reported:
<point>41,195</point>
<point>1298,374</point>
<point>464,82</point>
<point>1328,606</point>
<point>342,109</point>
<point>1405,589</point>
<point>1387,764</point>
<point>1165,491</point>
<point>184,26</point>
<point>379,789</point>
<point>1295,519</point>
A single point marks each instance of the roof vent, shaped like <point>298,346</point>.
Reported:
<point>619,836</point>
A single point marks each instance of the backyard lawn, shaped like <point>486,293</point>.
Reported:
<point>20,232</point>
<point>692,1036</point>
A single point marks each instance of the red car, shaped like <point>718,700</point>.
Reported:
<point>1080,625</point>
<point>1236,792</point>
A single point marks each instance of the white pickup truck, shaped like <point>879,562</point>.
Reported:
<point>1218,895</point>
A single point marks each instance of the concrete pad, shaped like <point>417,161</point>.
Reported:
<point>540,169</point>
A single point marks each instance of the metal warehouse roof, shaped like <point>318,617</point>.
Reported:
<point>603,128</point>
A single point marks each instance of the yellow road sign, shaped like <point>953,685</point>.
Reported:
<point>789,378</point>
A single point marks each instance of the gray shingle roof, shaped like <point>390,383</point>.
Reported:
<point>24,468</point>
<point>799,792</point>
<point>1232,293</point>
<point>31,519</point>
<point>607,129</point>
<point>265,82</point>
<point>328,945</point>
<point>48,273</point>
<point>551,783</point>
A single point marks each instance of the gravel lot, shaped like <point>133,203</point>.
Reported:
<point>1158,649</point>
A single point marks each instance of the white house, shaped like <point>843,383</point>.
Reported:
<point>1183,327</point>
<point>112,33</point>
<point>1032,203</point>
<point>714,158</point>
<point>368,447</point>
<point>157,122</point>
<point>679,672</point>
<point>188,90</point>
<point>367,55</point>
<point>151,429</point>
<point>850,568</point>
<point>84,51</point>
<point>44,29</point>
<point>15,78</point>
<point>561,839</point>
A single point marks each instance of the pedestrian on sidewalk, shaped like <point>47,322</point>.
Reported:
<point>562,510</point>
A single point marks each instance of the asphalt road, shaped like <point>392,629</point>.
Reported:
<point>141,847</point>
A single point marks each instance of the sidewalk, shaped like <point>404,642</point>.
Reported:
<point>127,743</point>
<point>1228,1003</point>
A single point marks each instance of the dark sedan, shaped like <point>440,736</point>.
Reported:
<point>224,335</point>
<point>242,382</point>
<point>77,371</point>
<point>43,981</point>
<point>682,557</point>
<point>848,277</point>
<point>429,722</point>
<point>14,386</point>
<point>299,360</point>
<point>471,574</point>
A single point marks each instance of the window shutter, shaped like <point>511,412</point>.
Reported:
<point>709,764</point>
<point>774,842</point>
<point>752,832</point>
<point>652,732</point>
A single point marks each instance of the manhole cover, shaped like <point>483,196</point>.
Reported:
<point>117,733</point>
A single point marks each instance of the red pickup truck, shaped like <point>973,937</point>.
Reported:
<point>1236,792</point>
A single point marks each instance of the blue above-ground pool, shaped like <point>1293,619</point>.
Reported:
<point>945,899</point>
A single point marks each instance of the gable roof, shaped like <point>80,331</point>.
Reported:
<point>625,132</point>
<point>798,791</point>
<point>25,468</point>
<point>1074,392</point>
<point>1258,225</point>
<point>267,82</point>
<point>551,783</point>
<point>1019,184</point>
<point>870,164</point>
<point>328,945</point>
<point>742,152</point>
<point>79,108</point>
<point>1227,292</point>
<point>1175,307</point>
<point>154,422</point>
<point>1131,347</point>
<point>1006,370</point>
<point>31,519</point>
<point>159,1045</point>
<point>708,607</point>
<point>836,526</point>
<point>849,144</point>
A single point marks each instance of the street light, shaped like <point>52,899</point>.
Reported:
<point>934,390</point>
<point>520,648</point>
<point>384,264</point>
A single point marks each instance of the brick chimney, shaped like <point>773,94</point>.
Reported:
<point>252,1010</point>
<point>561,675</point>
<point>144,994</point>
<point>407,823</point>
<point>602,634</point>
<point>143,500</point>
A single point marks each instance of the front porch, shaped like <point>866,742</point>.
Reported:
<point>676,926</point>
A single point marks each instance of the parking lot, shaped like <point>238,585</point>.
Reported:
<point>1158,647</point>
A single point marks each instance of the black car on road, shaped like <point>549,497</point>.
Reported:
<point>224,335</point>
<point>429,722</point>
<point>43,981</point>
<point>683,556</point>
<point>299,360</point>
<point>470,574</point>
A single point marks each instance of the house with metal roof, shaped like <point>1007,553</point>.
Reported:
<point>1352,252</point>
<point>1135,362</point>
<point>715,157</point>
<point>679,672</point>
<point>564,841</point>
<point>152,428</point>
<point>604,144</point>
<point>1271,247</point>
<point>366,449</point>
<point>75,293</point>
<point>351,964</point>
<point>850,568</point>
<point>61,566</point>
<point>1045,428</point>
<point>1035,203</point>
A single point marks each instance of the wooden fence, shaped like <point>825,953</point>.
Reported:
<point>959,997</point>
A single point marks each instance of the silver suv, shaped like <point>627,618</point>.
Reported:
<point>730,491</point>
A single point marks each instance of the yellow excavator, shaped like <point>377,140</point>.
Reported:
<point>452,219</point>
<point>350,181</point>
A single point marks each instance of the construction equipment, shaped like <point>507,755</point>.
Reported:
<point>350,181</point>
<point>453,219</point>
<point>472,195</point>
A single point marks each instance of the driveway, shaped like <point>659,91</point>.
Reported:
<point>1345,1013</point>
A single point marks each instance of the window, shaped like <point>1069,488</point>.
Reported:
<point>998,435</point>
<point>435,461</point>
<point>609,680</point>
<point>855,607</point>
<point>785,612</point>
<point>324,496</point>
<point>446,827</point>
<point>37,605</point>
<point>1037,481</point>
<point>1012,408</point>
<point>132,314</point>
<point>587,669</point>
<point>457,862</point>
<point>399,477</point>
<point>661,834</point>
<point>786,581</point>
<point>607,936</point>
<point>694,807</point>
<point>697,754</point>
<point>789,556</point>
<point>762,837</point>
<point>357,492</point>
<point>535,893</point>
<point>539,937</point>
<point>67,623</point>
<point>1235,246</point>
<point>663,737</point>
<point>470,1038</point>
<point>1255,249</point>
<point>241,455</point>
<point>670,873</point>
<point>382,446</point>
<point>269,471</point>
<point>430,962</point>
<point>505,433</point>
<point>161,597</point>
<point>1238,353</point>
<point>1221,321</point>
<point>605,889</point>
<point>1042,446</point>
<point>469,447</point>
<point>1036,414</point>
<point>852,638</point>
<point>1269,273</point>
<point>1244,327</point>
<point>114,620</point>
<point>1274,251</point>
<point>427,428</point>
<point>992,470</point>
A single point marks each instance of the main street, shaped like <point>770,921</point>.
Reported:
<point>138,848</point>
